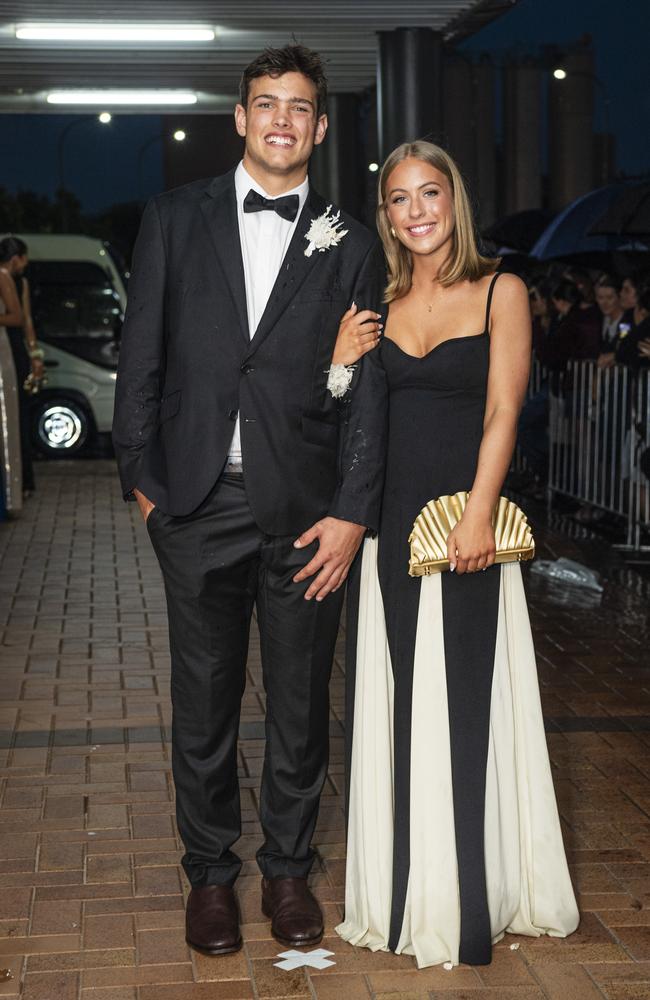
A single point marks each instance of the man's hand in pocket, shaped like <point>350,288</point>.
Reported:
<point>145,505</point>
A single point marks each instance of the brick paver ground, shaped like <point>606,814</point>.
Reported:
<point>91,893</point>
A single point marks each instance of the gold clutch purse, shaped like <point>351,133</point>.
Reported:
<point>432,526</point>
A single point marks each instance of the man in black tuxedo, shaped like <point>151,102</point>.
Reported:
<point>256,485</point>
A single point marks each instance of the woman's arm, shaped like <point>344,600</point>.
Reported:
<point>471,545</point>
<point>358,333</point>
<point>34,351</point>
<point>14,314</point>
<point>28,322</point>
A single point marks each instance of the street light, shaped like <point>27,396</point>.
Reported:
<point>179,136</point>
<point>560,73</point>
<point>104,118</point>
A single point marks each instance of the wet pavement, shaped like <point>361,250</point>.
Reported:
<point>91,892</point>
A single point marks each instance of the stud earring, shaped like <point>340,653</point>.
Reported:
<point>392,232</point>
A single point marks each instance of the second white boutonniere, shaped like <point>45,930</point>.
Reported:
<point>324,232</point>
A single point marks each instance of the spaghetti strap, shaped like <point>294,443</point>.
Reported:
<point>489,302</point>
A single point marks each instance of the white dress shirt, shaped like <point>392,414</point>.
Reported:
<point>610,329</point>
<point>264,238</point>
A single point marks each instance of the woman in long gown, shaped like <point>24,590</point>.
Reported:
<point>10,462</point>
<point>453,830</point>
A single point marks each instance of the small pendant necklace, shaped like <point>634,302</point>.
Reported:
<point>429,305</point>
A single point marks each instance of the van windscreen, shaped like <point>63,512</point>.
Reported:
<point>76,308</point>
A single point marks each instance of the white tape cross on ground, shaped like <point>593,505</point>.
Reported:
<point>317,959</point>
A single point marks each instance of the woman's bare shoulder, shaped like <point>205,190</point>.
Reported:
<point>509,288</point>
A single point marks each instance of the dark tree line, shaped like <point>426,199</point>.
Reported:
<point>28,212</point>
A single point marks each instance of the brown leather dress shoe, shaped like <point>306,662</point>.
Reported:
<point>212,920</point>
<point>296,918</point>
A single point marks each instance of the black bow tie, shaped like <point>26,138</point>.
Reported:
<point>286,207</point>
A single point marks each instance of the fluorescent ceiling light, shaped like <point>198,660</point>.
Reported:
<point>99,32</point>
<point>112,97</point>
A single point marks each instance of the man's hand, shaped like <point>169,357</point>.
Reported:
<point>145,505</point>
<point>338,542</point>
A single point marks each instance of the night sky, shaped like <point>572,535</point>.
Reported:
<point>619,32</point>
<point>101,162</point>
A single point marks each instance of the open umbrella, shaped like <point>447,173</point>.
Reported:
<point>628,214</point>
<point>570,231</point>
<point>519,231</point>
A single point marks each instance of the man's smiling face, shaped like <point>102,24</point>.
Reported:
<point>280,125</point>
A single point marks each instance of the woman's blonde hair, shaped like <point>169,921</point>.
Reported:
<point>464,261</point>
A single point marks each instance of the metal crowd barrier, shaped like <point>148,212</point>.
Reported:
<point>599,428</point>
<point>538,375</point>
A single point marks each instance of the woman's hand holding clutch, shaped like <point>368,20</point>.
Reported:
<point>471,545</point>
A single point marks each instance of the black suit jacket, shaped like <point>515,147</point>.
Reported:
<point>188,365</point>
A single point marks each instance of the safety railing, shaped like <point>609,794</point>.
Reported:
<point>598,433</point>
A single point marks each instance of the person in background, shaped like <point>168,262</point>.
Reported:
<point>629,294</point>
<point>532,429</point>
<point>634,349</point>
<point>28,357</point>
<point>11,497</point>
<point>583,281</point>
<point>542,314</point>
<point>608,298</point>
<point>632,286</point>
<point>577,334</point>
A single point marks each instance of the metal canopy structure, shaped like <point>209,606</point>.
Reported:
<point>344,32</point>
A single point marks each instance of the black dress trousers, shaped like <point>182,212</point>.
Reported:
<point>217,564</point>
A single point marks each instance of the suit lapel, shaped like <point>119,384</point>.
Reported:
<point>293,271</point>
<point>219,209</point>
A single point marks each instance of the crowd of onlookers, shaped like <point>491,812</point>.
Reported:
<point>579,316</point>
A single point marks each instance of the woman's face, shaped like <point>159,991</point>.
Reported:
<point>420,207</point>
<point>21,262</point>
<point>562,306</point>
<point>538,304</point>
<point>628,295</point>
<point>608,301</point>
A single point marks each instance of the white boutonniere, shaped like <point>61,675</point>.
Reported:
<point>324,232</point>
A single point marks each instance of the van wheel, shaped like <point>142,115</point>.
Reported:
<point>61,427</point>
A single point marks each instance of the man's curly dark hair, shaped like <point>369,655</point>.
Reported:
<point>290,59</point>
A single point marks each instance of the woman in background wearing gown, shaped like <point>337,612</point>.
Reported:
<point>453,829</point>
<point>11,496</point>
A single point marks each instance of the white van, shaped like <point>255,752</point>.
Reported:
<point>78,301</point>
